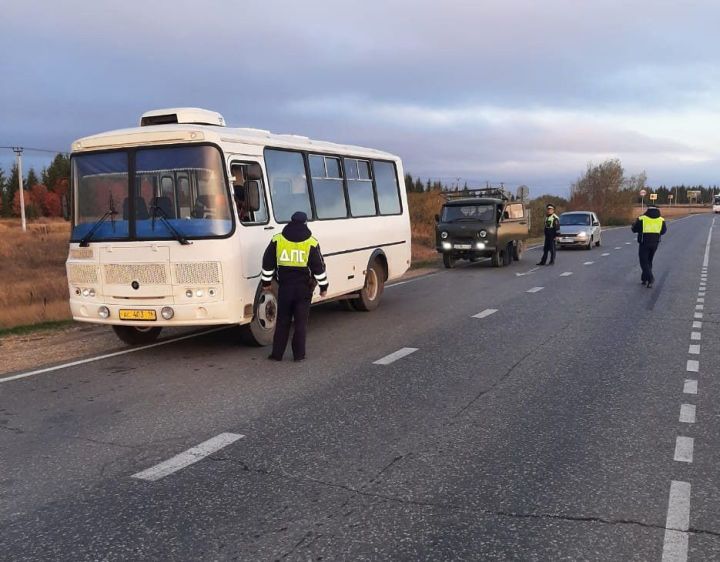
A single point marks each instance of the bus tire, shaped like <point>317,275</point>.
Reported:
<point>137,335</point>
<point>260,331</point>
<point>372,291</point>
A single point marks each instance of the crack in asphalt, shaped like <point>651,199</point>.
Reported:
<point>507,374</point>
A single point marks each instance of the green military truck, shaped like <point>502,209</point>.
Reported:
<point>483,223</point>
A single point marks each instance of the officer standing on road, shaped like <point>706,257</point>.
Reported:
<point>293,257</point>
<point>649,228</point>
<point>552,228</point>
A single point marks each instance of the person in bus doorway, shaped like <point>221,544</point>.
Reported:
<point>295,259</point>
<point>551,230</point>
<point>649,228</point>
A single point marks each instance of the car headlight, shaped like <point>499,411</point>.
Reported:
<point>443,235</point>
<point>483,234</point>
<point>582,235</point>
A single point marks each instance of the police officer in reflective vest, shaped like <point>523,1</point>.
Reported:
<point>551,230</point>
<point>294,258</point>
<point>649,228</point>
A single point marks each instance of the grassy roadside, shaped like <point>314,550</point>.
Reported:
<point>27,329</point>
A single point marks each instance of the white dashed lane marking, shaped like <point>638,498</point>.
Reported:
<point>189,457</point>
<point>566,274</point>
<point>618,247</point>
<point>694,349</point>
<point>399,354</point>
<point>693,366</point>
<point>684,449</point>
<point>697,325</point>
<point>606,254</point>
<point>695,336</point>
<point>690,386</point>
<point>485,313</point>
<point>698,315</point>
<point>687,413</point>
<point>535,290</point>
<point>675,545</point>
<point>589,263</point>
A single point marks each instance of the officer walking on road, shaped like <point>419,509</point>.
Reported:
<point>552,228</point>
<point>294,258</point>
<point>649,228</point>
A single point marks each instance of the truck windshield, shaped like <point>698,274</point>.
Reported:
<point>480,213</point>
<point>180,188</point>
<point>574,219</point>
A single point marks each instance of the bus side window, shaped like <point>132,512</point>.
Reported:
<point>360,188</point>
<point>387,188</point>
<point>288,183</point>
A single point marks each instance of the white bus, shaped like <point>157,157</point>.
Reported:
<point>716,203</point>
<point>171,219</point>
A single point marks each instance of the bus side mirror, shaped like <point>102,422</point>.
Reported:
<point>254,172</point>
<point>252,195</point>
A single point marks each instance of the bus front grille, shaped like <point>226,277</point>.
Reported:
<point>126,273</point>
<point>82,274</point>
<point>199,273</point>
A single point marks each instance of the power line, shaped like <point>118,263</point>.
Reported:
<point>36,149</point>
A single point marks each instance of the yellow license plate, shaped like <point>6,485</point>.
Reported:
<point>138,315</point>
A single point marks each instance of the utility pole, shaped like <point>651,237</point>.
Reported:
<point>18,157</point>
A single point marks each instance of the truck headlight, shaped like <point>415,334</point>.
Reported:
<point>447,246</point>
<point>480,245</point>
<point>483,234</point>
<point>443,235</point>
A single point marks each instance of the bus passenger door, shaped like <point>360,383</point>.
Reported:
<point>254,227</point>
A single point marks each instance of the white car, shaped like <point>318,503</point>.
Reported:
<point>579,229</point>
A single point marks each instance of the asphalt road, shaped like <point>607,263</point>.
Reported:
<point>554,428</point>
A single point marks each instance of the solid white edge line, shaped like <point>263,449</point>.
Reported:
<point>675,544</point>
<point>108,355</point>
<point>706,258</point>
<point>485,313</point>
<point>690,386</point>
<point>186,458</point>
<point>687,413</point>
<point>399,354</point>
<point>684,449</point>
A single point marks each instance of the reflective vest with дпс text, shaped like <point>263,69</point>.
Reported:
<point>293,254</point>
<point>550,220</point>
<point>650,225</point>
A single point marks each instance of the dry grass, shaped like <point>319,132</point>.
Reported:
<point>676,211</point>
<point>32,274</point>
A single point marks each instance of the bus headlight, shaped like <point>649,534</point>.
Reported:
<point>189,293</point>
<point>211,292</point>
<point>167,313</point>
<point>86,292</point>
<point>199,293</point>
<point>443,235</point>
<point>92,292</point>
<point>104,312</point>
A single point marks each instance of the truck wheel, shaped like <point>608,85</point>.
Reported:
<point>518,249</point>
<point>370,294</point>
<point>137,335</point>
<point>497,259</point>
<point>507,254</point>
<point>449,261</point>
<point>261,330</point>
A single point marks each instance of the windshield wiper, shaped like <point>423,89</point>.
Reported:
<point>158,212</point>
<point>111,212</point>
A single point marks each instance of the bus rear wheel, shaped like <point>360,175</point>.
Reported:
<point>261,330</point>
<point>369,298</point>
<point>137,335</point>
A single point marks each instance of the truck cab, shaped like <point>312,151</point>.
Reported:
<point>483,223</point>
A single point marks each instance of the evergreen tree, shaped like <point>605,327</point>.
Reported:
<point>419,186</point>
<point>409,184</point>
<point>32,179</point>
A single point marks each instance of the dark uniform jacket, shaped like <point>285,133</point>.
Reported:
<point>552,226</point>
<point>295,232</point>
<point>648,238</point>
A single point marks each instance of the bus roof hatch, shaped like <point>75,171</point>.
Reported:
<point>185,115</point>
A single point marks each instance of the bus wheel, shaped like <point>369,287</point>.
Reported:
<point>261,330</point>
<point>137,335</point>
<point>370,294</point>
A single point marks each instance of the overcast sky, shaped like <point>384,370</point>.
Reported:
<point>522,91</point>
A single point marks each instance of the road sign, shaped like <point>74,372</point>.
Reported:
<point>670,196</point>
<point>643,193</point>
<point>653,197</point>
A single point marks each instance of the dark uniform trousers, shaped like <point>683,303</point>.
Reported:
<point>293,305</point>
<point>549,248</point>
<point>647,253</point>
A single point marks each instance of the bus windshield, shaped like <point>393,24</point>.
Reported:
<point>716,200</point>
<point>178,188</point>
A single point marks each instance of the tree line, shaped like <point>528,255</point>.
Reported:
<point>45,196</point>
